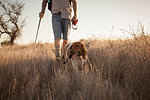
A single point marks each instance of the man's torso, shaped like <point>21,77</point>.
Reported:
<point>63,7</point>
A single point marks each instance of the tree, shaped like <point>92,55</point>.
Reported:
<point>10,19</point>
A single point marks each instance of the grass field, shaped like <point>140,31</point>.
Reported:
<point>121,72</point>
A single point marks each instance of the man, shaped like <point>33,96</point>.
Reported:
<point>61,17</point>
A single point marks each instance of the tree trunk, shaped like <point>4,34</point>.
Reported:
<point>12,41</point>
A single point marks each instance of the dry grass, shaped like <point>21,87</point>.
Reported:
<point>121,72</point>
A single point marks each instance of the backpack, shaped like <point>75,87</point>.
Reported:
<point>50,4</point>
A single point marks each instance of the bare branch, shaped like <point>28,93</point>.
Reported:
<point>9,19</point>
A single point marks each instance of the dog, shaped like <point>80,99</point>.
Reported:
<point>76,52</point>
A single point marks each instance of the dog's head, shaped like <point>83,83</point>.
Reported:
<point>77,49</point>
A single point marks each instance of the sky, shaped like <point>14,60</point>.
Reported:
<point>97,18</point>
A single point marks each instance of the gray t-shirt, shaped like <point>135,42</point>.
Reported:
<point>63,7</point>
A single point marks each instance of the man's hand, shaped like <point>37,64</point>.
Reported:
<point>74,18</point>
<point>44,3</point>
<point>41,14</point>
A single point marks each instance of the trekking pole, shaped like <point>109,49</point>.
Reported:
<point>37,30</point>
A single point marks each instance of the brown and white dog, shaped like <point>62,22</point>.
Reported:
<point>76,52</point>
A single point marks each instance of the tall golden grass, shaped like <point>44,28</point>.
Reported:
<point>121,71</point>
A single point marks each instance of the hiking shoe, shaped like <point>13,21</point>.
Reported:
<point>57,54</point>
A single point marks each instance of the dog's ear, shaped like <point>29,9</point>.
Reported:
<point>84,52</point>
<point>69,52</point>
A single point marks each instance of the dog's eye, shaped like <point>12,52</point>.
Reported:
<point>77,46</point>
<point>70,47</point>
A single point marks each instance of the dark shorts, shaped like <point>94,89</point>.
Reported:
<point>61,27</point>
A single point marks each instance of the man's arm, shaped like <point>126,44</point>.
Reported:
<point>74,2</point>
<point>44,3</point>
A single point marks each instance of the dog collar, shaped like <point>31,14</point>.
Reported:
<point>70,44</point>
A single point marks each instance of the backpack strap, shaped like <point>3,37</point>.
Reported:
<point>50,5</point>
<point>70,2</point>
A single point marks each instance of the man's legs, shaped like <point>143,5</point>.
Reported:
<point>60,26</point>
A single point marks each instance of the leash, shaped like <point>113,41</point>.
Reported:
<point>74,24</point>
<point>37,30</point>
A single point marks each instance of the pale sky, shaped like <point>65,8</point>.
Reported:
<point>96,18</point>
